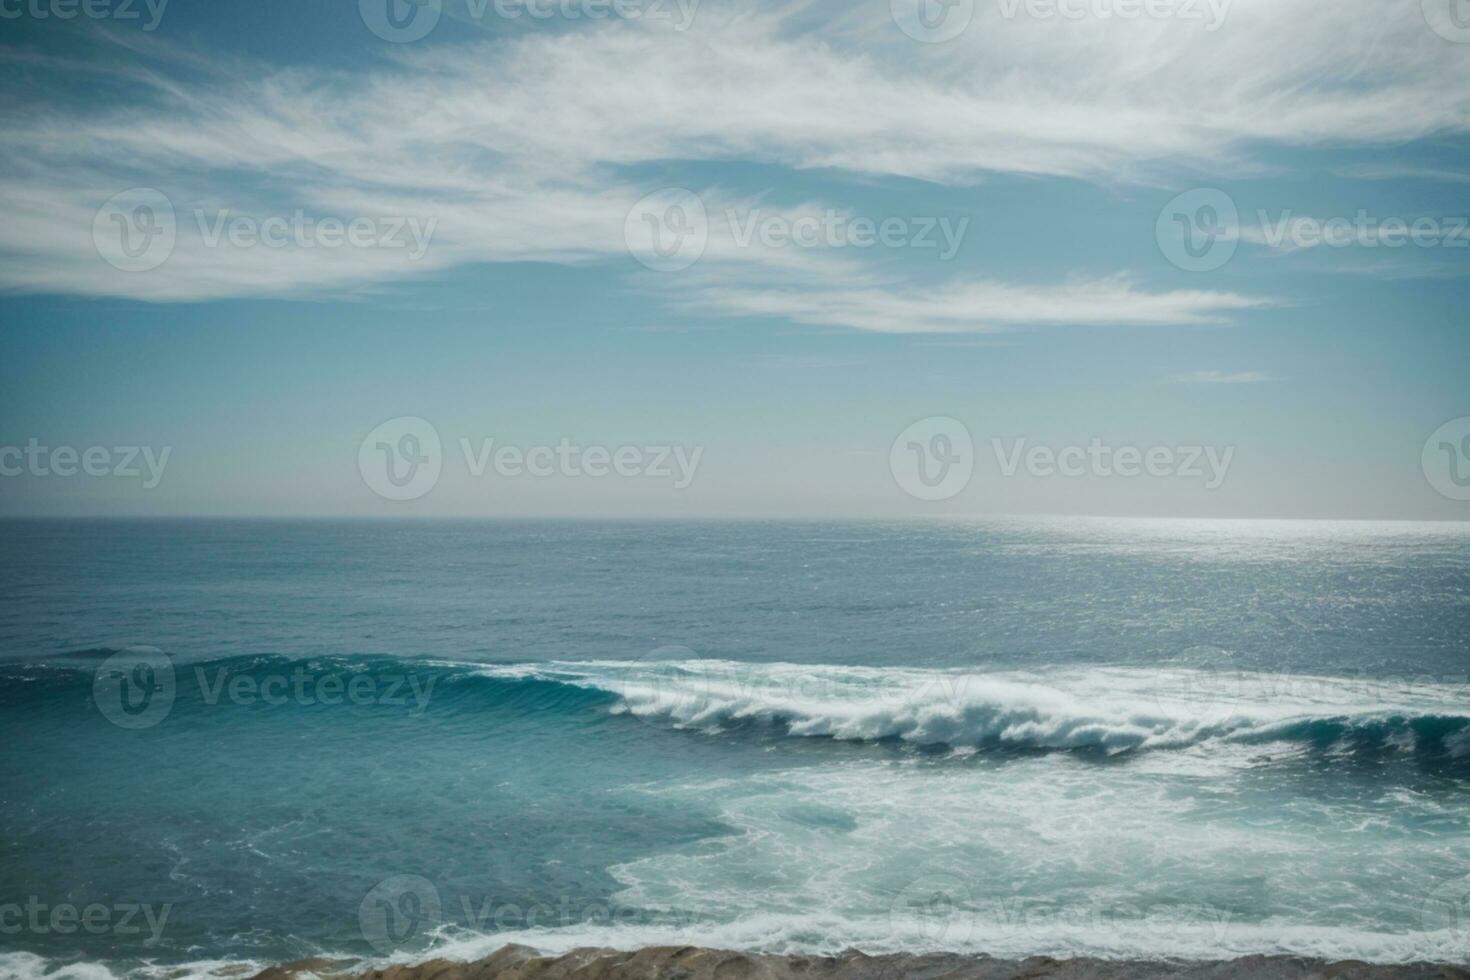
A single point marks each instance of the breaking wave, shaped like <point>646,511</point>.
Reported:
<point>1111,710</point>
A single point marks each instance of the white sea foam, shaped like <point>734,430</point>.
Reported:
<point>822,934</point>
<point>1112,709</point>
<point>1062,854</point>
<point>1149,940</point>
<point>29,966</point>
<point>1174,854</point>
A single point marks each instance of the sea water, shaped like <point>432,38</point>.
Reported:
<point>229,743</point>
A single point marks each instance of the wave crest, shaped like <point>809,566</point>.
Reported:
<point>1106,709</point>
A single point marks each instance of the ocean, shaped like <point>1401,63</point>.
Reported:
<point>232,743</point>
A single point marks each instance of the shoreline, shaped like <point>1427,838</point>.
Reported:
<point>514,962</point>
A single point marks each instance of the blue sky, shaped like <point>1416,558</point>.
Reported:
<point>529,152</point>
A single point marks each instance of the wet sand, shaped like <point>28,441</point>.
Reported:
<point>697,963</point>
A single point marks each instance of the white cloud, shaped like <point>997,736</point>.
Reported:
<point>970,307</point>
<point>524,149</point>
<point>1403,171</point>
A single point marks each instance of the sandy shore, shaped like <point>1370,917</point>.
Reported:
<point>696,963</point>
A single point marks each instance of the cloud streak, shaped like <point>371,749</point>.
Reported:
<point>532,148</point>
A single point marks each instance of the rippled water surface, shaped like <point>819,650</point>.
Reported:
<point>243,741</point>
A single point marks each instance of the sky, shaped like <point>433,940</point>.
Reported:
<point>693,258</point>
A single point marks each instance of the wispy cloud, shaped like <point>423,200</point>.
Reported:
<point>1366,245</point>
<point>525,149</point>
<point>970,307</point>
<point>1403,171</point>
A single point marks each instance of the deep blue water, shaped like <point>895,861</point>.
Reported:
<point>1169,738</point>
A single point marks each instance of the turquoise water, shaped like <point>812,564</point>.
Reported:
<point>235,742</point>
